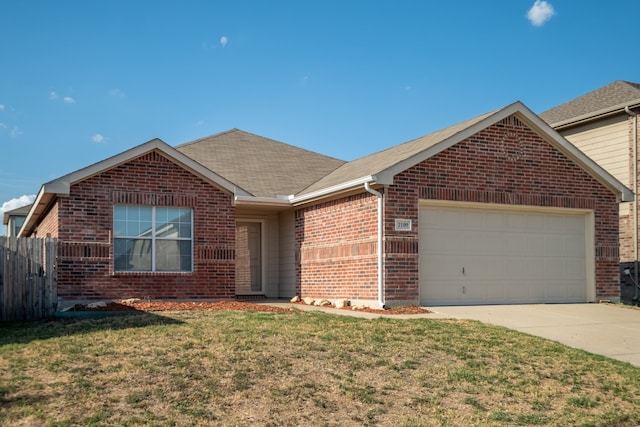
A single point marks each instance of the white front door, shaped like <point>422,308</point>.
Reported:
<point>249,258</point>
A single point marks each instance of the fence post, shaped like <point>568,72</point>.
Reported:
<point>50,277</point>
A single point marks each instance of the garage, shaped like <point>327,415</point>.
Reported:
<point>474,253</point>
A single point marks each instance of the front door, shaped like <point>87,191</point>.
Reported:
<point>248,258</point>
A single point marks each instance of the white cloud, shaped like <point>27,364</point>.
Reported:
<point>224,40</point>
<point>69,100</point>
<point>2,126</point>
<point>53,96</point>
<point>15,132</point>
<point>199,123</point>
<point>116,92</point>
<point>98,138</point>
<point>16,203</point>
<point>1,107</point>
<point>540,13</point>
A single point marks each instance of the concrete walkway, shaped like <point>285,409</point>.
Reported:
<point>605,329</point>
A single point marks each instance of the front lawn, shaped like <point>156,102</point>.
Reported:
<point>302,368</point>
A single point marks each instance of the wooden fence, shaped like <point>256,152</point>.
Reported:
<point>27,278</point>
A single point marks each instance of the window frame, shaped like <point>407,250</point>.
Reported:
<point>154,238</point>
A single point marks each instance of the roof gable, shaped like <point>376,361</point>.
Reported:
<point>382,167</point>
<point>262,166</point>
<point>608,99</point>
<point>21,211</point>
<point>386,163</point>
<point>62,186</point>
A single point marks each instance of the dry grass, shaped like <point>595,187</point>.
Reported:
<point>301,368</point>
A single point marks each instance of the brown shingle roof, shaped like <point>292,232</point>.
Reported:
<point>610,97</point>
<point>383,160</point>
<point>262,166</point>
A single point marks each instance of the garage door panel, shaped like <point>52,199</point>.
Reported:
<point>554,246</point>
<point>481,256</point>
<point>441,266</point>
<point>574,244</point>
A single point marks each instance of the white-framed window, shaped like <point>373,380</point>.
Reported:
<point>152,238</point>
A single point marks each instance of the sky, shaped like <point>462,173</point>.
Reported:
<point>81,81</point>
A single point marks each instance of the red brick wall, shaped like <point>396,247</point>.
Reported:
<point>85,266</point>
<point>521,169</point>
<point>49,224</point>
<point>336,248</point>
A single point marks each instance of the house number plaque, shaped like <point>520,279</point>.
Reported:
<point>403,225</point>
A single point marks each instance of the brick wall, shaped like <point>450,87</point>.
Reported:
<point>49,224</point>
<point>336,248</point>
<point>507,163</point>
<point>85,266</point>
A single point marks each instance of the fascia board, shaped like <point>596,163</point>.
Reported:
<point>40,204</point>
<point>261,201</point>
<point>293,199</point>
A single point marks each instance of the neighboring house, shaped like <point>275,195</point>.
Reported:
<point>604,125</point>
<point>497,209</point>
<point>14,219</point>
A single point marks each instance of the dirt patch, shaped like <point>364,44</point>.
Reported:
<point>224,305</point>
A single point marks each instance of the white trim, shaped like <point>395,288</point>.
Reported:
<point>261,201</point>
<point>332,190</point>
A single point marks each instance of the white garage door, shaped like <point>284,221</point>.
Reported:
<point>490,256</point>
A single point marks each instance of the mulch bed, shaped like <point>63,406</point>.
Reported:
<point>224,305</point>
<point>181,306</point>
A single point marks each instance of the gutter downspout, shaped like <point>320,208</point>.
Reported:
<point>380,254</point>
<point>635,203</point>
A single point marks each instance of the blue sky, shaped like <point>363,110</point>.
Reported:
<point>84,80</point>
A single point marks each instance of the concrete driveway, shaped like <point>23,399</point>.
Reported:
<point>605,329</point>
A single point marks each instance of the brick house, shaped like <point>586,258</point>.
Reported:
<point>496,209</point>
<point>604,125</point>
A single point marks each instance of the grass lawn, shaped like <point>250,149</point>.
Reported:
<point>302,368</point>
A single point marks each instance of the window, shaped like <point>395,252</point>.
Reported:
<point>150,238</point>
<point>17,221</point>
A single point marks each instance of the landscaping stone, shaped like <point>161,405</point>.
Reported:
<point>342,303</point>
<point>97,304</point>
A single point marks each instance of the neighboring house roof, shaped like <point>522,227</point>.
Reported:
<point>21,211</point>
<point>262,166</point>
<point>61,186</point>
<point>609,99</point>
<point>381,167</point>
